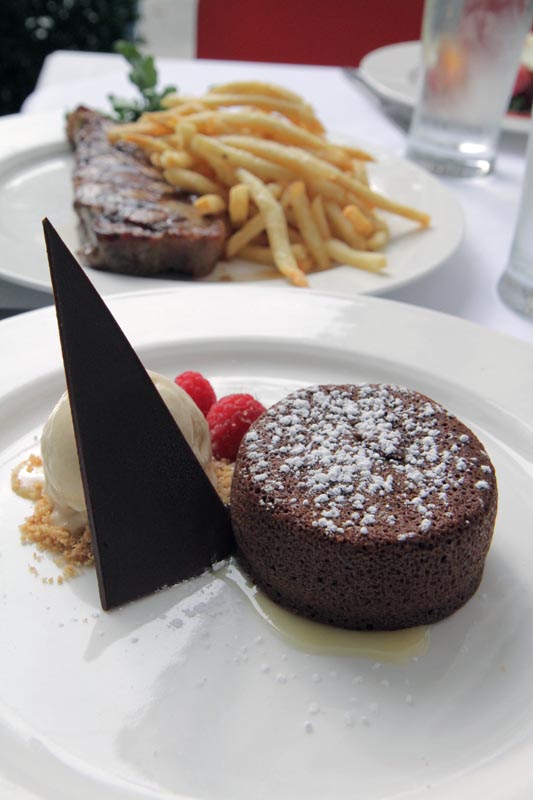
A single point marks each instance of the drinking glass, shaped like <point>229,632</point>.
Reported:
<point>470,56</point>
<point>516,283</point>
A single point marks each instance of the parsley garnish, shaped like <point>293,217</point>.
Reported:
<point>143,75</point>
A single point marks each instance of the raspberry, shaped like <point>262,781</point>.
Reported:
<point>229,419</point>
<point>198,388</point>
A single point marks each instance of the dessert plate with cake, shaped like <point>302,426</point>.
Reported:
<point>183,692</point>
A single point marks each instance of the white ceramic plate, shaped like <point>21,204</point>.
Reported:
<point>189,693</point>
<point>35,181</point>
<point>393,72</point>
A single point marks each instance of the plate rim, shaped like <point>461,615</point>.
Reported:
<point>483,351</point>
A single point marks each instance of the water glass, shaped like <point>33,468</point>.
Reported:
<point>516,284</point>
<point>470,56</point>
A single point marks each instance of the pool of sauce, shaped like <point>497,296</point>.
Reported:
<point>397,647</point>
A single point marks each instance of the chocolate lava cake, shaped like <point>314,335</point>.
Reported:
<point>366,507</point>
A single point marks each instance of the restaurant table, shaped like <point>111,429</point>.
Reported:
<point>463,286</point>
<point>204,691</point>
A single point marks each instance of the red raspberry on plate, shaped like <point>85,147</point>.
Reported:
<point>229,419</point>
<point>198,388</point>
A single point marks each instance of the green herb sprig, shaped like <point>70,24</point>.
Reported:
<point>143,75</point>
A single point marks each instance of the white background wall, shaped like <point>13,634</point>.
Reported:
<point>168,27</point>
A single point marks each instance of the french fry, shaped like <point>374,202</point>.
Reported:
<point>189,181</point>
<point>185,131</point>
<point>307,226</point>
<point>163,117</point>
<point>302,256</point>
<point>239,204</point>
<point>359,171</point>
<point>378,240</point>
<point>276,227</point>
<point>257,87</point>
<point>317,209</point>
<point>174,100</point>
<point>333,156</point>
<point>150,144</point>
<point>264,169</point>
<point>177,158</point>
<point>148,128</point>
<point>276,189</point>
<point>245,235</point>
<point>176,107</point>
<point>381,224</point>
<point>332,191</point>
<point>344,254</point>
<point>191,108</point>
<point>207,121</point>
<point>294,109</point>
<point>360,221</point>
<point>259,254</point>
<point>276,128</point>
<point>210,204</point>
<point>224,171</point>
<point>299,162</point>
<point>174,141</point>
<point>327,190</point>
<point>343,228</point>
<point>296,112</point>
<point>357,153</point>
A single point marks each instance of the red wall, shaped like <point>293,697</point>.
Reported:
<point>335,32</point>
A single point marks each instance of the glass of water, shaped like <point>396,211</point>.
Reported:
<point>470,56</point>
<point>516,284</point>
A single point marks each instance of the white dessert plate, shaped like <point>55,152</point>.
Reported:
<point>191,693</point>
<point>393,72</point>
<point>35,181</point>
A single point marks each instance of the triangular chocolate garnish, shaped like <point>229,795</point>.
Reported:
<point>154,516</point>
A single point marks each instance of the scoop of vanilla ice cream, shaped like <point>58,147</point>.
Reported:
<point>62,476</point>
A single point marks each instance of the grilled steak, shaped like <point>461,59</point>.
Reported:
<point>132,221</point>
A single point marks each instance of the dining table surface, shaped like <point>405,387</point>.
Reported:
<point>464,285</point>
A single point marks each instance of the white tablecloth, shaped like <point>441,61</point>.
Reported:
<point>465,285</point>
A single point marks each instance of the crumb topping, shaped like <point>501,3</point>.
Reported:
<point>224,475</point>
<point>73,549</point>
<point>358,456</point>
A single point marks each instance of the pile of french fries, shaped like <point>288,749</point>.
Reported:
<point>257,152</point>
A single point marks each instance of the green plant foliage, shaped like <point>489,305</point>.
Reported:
<point>31,29</point>
<point>143,75</point>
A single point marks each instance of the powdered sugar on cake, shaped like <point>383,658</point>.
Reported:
<point>360,457</point>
